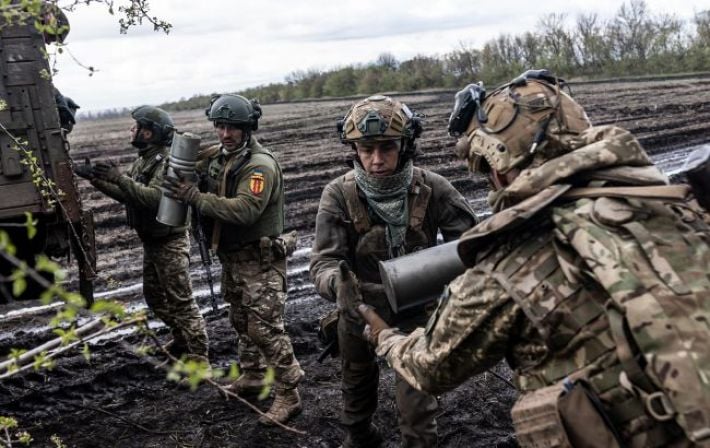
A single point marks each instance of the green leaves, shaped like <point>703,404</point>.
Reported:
<point>269,378</point>
<point>31,225</point>
<point>67,336</point>
<point>19,282</point>
<point>111,308</point>
<point>7,423</point>
<point>6,244</point>
<point>233,371</point>
<point>43,361</point>
<point>193,371</point>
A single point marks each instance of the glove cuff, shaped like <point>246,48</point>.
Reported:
<point>192,195</point>
<point>123,181</point>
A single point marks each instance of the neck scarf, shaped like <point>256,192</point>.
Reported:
<point>387,199</point>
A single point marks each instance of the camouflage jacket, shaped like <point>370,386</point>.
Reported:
<point>528,299</point>
<point>140,191</point>
<point>243,196</point>
<point>345,230</point>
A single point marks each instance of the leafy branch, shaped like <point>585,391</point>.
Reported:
<point>46,187</point>
<point>133,14</point>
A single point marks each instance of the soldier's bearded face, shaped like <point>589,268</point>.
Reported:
<point>378,158</point>
<point>230,136</point>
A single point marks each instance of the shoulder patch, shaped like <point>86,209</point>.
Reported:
<point>256,182</point>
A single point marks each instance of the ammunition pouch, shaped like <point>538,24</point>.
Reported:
<point>285,244</point>
<point>266,253</point>
<point>563,415</point>
<point>273,249</point>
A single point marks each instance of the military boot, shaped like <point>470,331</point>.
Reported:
<point>176,347</point>
<point>287,403</point>
<point>249,383</point>
<point>365,436</point>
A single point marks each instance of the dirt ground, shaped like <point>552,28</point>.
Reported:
<point>121,399</point>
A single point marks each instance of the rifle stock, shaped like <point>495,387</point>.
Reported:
<point>205,256</point>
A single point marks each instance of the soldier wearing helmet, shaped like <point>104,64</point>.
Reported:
<point>166,280</point>
<point>383,208</point>
<point>575,280</point>
<point>241,199</point>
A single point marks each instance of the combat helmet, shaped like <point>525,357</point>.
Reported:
<point>155,120</point>
<point>379,118</point>
<point>526,118</point>
<point>236,110</point>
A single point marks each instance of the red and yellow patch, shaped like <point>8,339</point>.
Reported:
<point>256,182</point>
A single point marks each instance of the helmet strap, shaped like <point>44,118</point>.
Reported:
<point>246,139</point>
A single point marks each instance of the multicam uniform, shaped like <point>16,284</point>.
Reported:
<point>166,278</point>
<point>347,230</point>
<point>244,217</point>
<point>532,300</point>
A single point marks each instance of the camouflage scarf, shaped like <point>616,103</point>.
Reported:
<point>387,199</point>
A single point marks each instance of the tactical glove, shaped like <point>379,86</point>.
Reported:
<point>85,170</point>
<point>347,291</point>
<point>180,189</point>
<point>106,171</point>
<point>375,324</point>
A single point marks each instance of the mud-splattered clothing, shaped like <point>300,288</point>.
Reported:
<point>530,298</point>
<point>347,230</point>
<point>168,292</point>
<point>166,250</point>
<point>243,206</point>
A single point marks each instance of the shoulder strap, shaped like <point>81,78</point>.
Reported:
<point>677,192</point>
<point>418,206</point>
<point>356,209</point>
<point>147,172</point>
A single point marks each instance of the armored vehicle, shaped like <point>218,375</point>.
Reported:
<point>35,168</point>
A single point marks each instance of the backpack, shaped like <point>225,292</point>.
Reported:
<point>652,257</point>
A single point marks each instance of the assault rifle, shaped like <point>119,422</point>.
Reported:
<point>205,256</point>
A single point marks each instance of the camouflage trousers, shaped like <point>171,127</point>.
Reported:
<point>168,292</point>
<point>257,296</point>
<point>361,375</point>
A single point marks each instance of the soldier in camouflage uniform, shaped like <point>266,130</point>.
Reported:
<point>243,207</point>
<point>383,208</point>
<point>588,246</point>
<point>166,278</point>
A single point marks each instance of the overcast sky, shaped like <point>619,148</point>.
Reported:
<point>228,45</point>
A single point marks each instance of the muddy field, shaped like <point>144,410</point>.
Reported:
<point>121,399</point>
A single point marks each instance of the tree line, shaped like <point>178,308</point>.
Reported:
<point>635,41</point>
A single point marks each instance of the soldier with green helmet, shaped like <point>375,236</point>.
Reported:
<point>383,208</point>
<point>592,279</point>
<point>166,279</point>
<point>241,200</point>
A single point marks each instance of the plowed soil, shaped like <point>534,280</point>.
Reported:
<point>121,399</point>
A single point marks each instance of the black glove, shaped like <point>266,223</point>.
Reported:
<point>375,324</point>
<point>85,170</point>
<point>347,291</point>
<point>107,171</point>
<point>180,189</point>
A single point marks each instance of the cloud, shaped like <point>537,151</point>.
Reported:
<point>224,45</point>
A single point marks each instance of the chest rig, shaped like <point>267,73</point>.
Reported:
<point>370,245</point>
